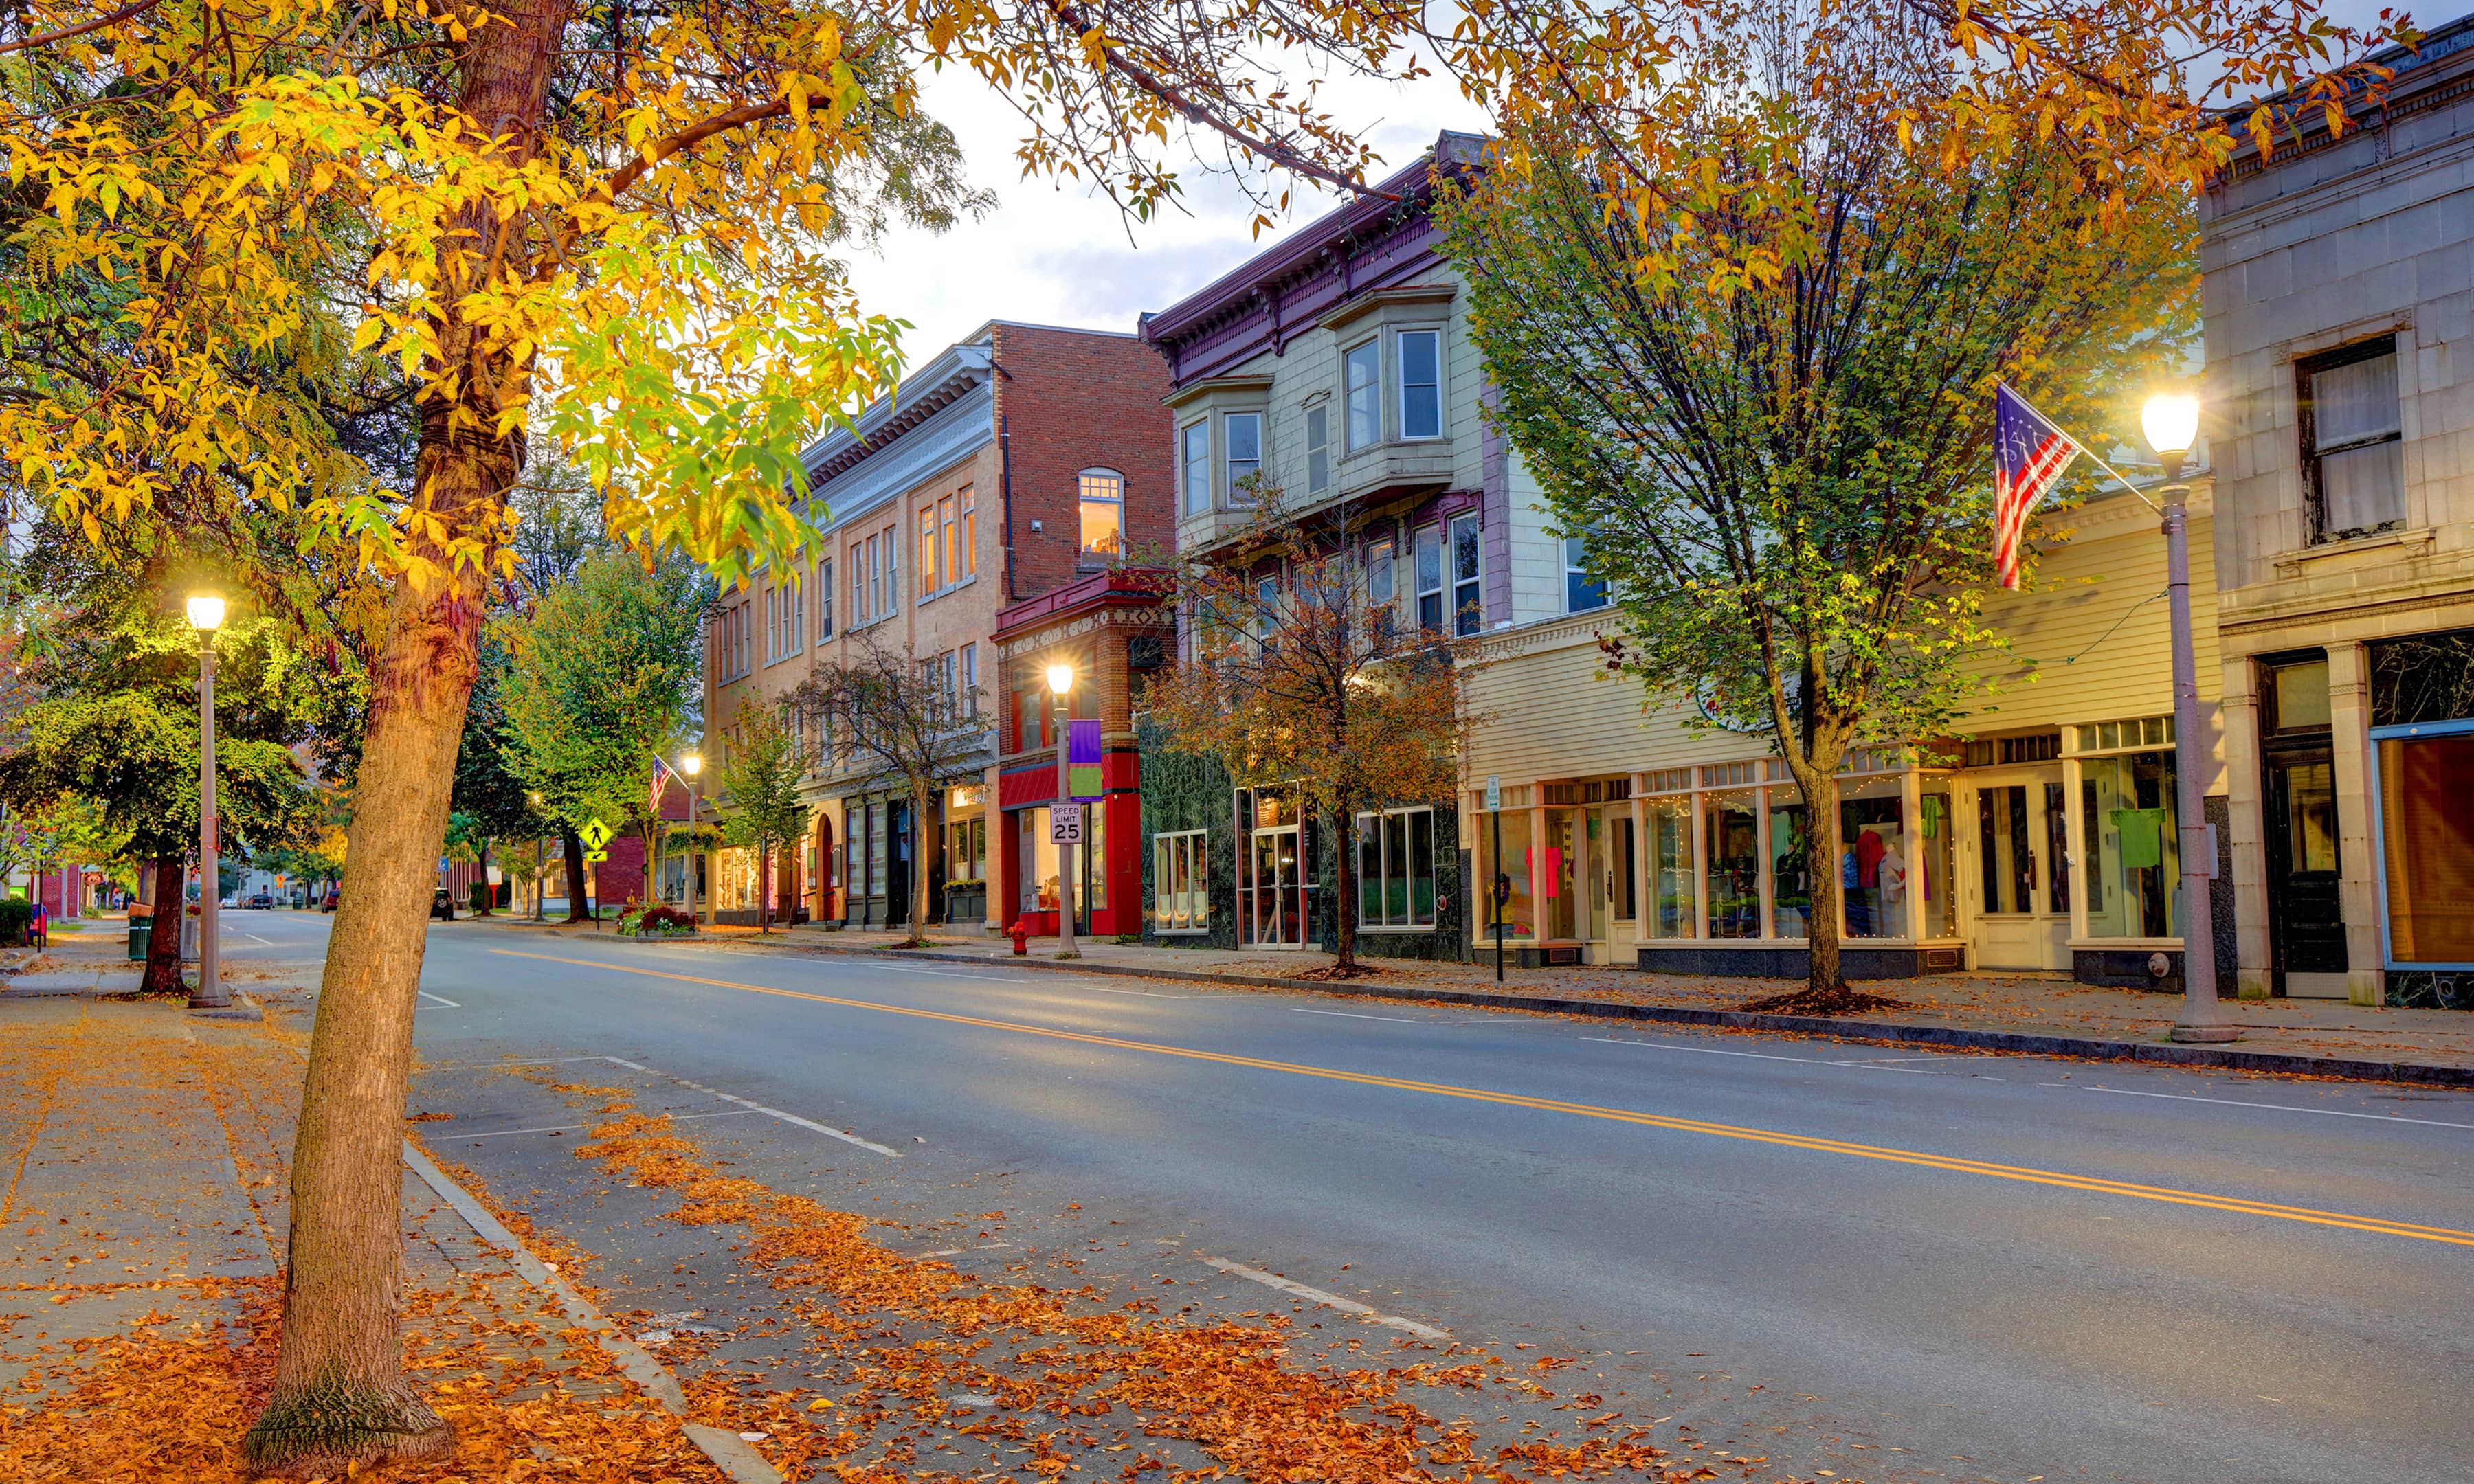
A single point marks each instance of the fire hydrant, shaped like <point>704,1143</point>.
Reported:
<point>1021,937</point>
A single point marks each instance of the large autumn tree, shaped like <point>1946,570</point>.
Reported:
<point>1785,469</point>
<point>614,224</point>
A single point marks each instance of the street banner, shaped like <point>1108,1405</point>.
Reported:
<point>1082,783</point>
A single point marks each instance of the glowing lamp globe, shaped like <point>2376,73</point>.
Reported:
<point>2171,424</point>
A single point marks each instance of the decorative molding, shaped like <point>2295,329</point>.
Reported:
<point>2416,544</point>
<point>1195,391</point>
<point>1366,303</point>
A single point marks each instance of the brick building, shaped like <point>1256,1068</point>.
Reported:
<point>1013,463</point>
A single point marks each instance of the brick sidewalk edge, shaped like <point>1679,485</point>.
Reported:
<point>2165,1053</point>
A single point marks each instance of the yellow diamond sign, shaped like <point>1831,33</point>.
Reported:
<point>594,835</point>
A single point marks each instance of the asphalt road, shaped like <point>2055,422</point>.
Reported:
<point>1889,1264</point>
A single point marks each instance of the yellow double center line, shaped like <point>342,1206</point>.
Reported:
<point>2066,1181</point>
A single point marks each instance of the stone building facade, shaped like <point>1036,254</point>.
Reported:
<point>2340,304</point>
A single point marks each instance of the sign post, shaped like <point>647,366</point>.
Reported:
<point>595,835</point>
<point>1500,888</point>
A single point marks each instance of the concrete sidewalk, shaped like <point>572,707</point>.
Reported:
<point>2030,1014</point>
<point>146,1153</point>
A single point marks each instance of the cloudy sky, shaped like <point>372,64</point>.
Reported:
<point>1060,254</point>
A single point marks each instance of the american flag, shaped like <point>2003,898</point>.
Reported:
<point>2028,456</point>
<point>661,777</point>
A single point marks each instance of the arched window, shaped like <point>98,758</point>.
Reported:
<point>1103,515</point>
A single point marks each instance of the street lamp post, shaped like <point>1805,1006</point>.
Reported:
<point>206,615</point>
<point>2172,425</point>
<point>540,861</point>
<point>1060,681</point>
<point>693,765</point>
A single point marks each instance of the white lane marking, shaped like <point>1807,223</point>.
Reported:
<point>941,974</point>
<point>1347,1015</point>
<point>1327,1299</point>
<point>545,1061</point>
<point>440,998</point>
<point>2227,1102</point>
<point>255,938</point>
<point>1874,1061</point>
<point>1102,989</point>
<point>1660,1045</point>
<point>570,1128</point>
<point>845,1135</point>
<point>955,1252</point>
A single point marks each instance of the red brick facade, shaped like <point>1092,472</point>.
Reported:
<point>1068,400</point>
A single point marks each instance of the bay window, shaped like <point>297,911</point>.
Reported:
<point>1243,431</point>
<point>1422,383</point>
<point>1362,388</point>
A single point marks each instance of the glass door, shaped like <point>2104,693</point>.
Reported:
<point>2020,889</point>
<point>1278,917</point>
<point>2306,915</point>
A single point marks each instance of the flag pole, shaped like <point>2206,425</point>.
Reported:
<point>2090,453</point>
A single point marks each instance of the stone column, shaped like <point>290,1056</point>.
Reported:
<point>2246,817</point>
<point>2349,726</point>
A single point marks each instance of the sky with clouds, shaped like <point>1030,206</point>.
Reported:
<point>1060,253</point>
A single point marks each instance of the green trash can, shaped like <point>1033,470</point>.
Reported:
<point>140,930</point>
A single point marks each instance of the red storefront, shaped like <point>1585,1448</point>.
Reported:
<point>1112,629</point>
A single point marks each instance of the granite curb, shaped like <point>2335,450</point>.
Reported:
<point>1956,1038</point>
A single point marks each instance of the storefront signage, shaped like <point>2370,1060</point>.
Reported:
<point>1065,824</point>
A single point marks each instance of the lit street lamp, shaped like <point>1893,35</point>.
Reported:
<point>2172,425</point>
<point>205,615</point>
<point>694,767</point>
<point>1060,682</point>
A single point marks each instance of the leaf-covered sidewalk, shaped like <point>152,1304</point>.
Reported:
<point>144,1214</point>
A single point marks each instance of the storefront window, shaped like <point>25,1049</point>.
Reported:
<point>2427,839</point>
<point>1039,862</point>
<point>966,850</point>
<point>1672,909</point>
<point>1936,861</point>
<point>1790,875</point>
<point>1520,912</point>
<point>1872,858</point>
<point>2135,861</point>
<point>1395,868</point>
<point>1179,882</point>
<point>1554,874</point>
<point>1733,854</point>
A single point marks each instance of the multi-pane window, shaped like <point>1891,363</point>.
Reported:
<point>1104,514</point>
<point>1378,571</point>
<point>1362,388</point>
<point>824,600</point>
<point>1244,433</point>
<point>1317,449</point>
<point>1469,602</point>
<point>2352,441</point>
<point>1582,592</point>
<point>928,543</point>
<point>892,568</point>
<point>1422,383</point>
<point>772,624</point>
<point>1395,868</point>
<point>1180,880</point>
<point>971,680</point>
<point>873,564</point>
<point>968,536</point>
<point>1429,544</point>
<point>1195,467</point>
<point>949,527</point>
<point>966,850</point>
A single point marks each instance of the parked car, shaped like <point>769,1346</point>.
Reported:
<point>231,902</point>
<point>334,898</point>
<point>441,905</point>
<point>264,901</point>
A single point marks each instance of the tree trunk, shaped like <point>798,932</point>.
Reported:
<point>489,893</point>
<point>1345,919</point>
<point>1822,975</point>
<point>163,949</point>
<point>572,848</point>
<point>340,1395</point>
